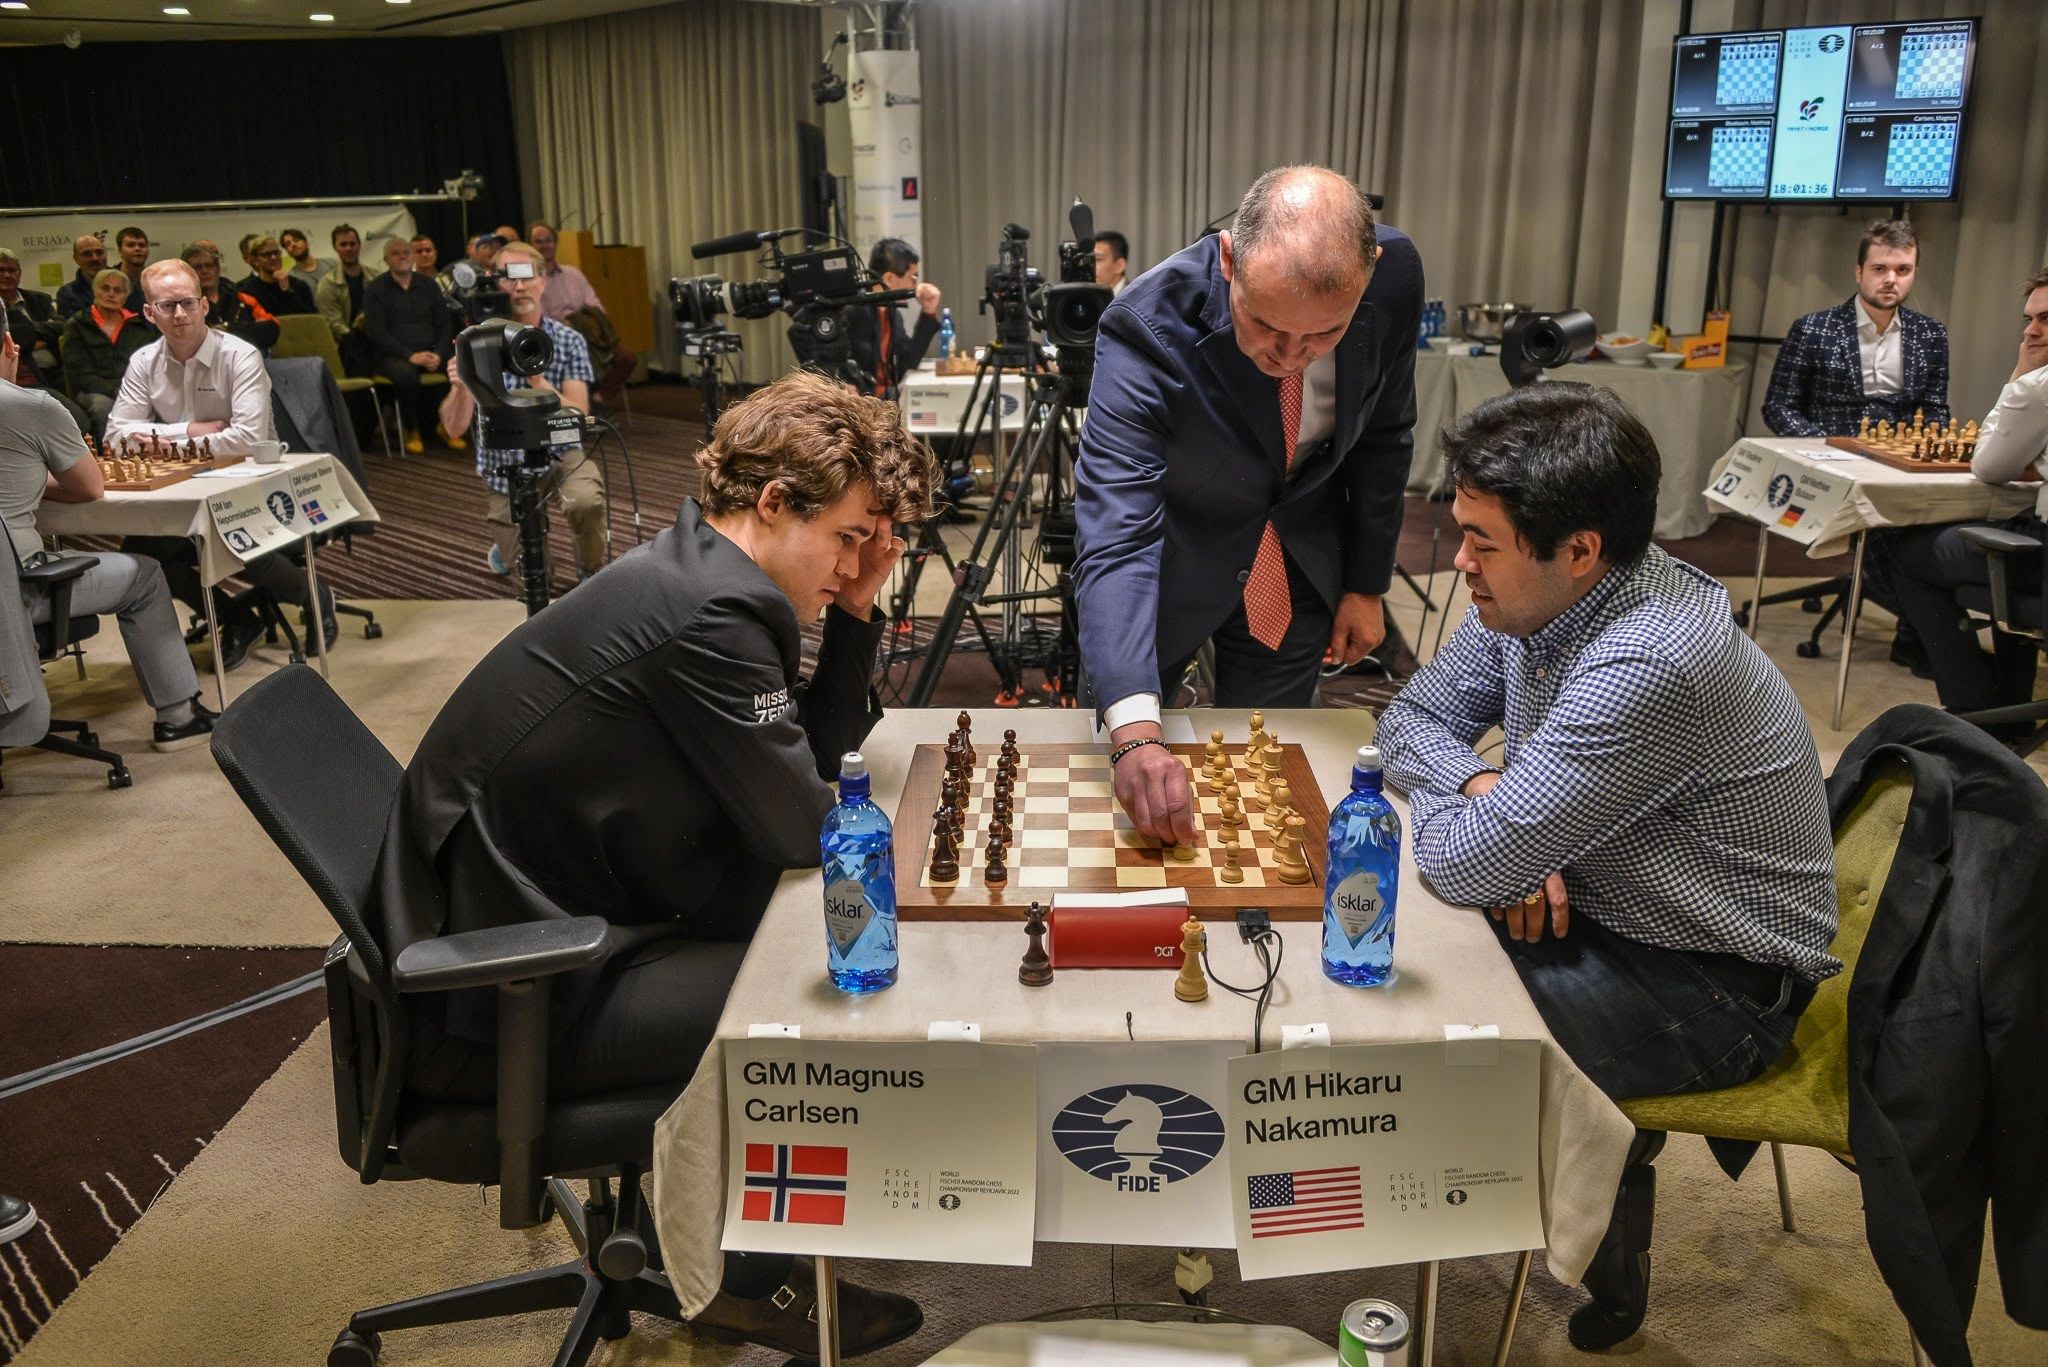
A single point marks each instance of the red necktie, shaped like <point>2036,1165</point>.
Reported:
<point>1268,606</point>
<point>882,352</point>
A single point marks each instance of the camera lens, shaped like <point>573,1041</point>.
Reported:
<point>527,350</point>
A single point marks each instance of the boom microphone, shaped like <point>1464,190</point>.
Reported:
<point>740,242</point>
<point>1081,219</point>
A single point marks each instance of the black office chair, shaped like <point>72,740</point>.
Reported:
<point>58,637</point>
<point>2015,608</point>
<point>322,788</point>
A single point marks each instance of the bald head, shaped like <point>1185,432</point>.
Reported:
<point>1307,227</point>
<point>90,253</point>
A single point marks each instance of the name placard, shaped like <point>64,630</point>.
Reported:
<point>880,1150</point>
<point>1743,479</point>
<point>1365,1155</point>
<point>254,517</point>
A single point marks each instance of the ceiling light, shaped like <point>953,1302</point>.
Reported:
<point>13,4</point>
<point>176,9</point>
<point>398,2</point>
<point>321,18</point>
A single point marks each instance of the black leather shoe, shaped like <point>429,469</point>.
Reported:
<point>17,1217</point>
<point>1621,1298</point>
<point>235,640</point>
<point>1912,656</point>
<point>787,1319</point>
<point>166,737</point>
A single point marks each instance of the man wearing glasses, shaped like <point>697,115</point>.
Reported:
<point>197,383</point>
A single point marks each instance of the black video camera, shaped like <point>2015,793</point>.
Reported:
<point>525,419</point>
<point>1007,288</point>
<point>1535,342</point>
<point>1070,312</point>
<point>815,289</point>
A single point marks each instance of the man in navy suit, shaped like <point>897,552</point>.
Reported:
<point>1239,478</point>
<point>1869,356</point>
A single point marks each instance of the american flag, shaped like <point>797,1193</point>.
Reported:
<point>802,1184</point>
<point>1312,1201</point>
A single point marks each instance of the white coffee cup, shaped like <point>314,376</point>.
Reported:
<point>268,452</point>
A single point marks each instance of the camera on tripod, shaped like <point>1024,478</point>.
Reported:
<point>1068,313</point>
<point>475,295</point>
<point>1007,290</point>
<point>815,289</point>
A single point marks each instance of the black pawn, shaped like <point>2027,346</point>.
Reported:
<point>996,874</point>
<point>1036,968</point>
<point>945,854</point>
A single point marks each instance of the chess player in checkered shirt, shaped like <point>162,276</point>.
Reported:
<point>576,484</point>
<point>1653,844</point>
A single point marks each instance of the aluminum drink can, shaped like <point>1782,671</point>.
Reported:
<point>1373,1333</point>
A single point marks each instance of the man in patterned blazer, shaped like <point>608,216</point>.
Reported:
<point>1867,357</point>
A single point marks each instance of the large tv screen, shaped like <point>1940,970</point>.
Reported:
<point>1839,112</point>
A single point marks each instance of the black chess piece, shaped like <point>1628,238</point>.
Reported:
<point>1036,968</point>
<point>996,874</point>
<point>965,724</point>
<point>945,854</point>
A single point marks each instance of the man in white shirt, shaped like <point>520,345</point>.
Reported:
<point>1112,260</point>
<point>1929,564</point>
<point>197,383</point>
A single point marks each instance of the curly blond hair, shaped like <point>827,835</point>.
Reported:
<point>817,439</point>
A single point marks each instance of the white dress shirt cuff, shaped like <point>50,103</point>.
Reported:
<point>1124,711</point>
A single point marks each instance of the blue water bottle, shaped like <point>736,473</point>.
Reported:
<point>945,334</point>
<point>860,886</point>
<point>1363,879</point>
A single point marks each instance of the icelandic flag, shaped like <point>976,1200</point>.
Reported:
<point>311,508</point>
<point>801,1184</point>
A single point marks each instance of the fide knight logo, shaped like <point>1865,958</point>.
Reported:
<point>1139,1136</point>
<point>281,506</point>
<point>1780,492</point>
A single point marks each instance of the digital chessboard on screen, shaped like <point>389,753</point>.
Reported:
<point>1741,157</point>
<point>1921,154</point>
<point>1747,75</point>
<point>1931,65</point>
<point>1069,835</point>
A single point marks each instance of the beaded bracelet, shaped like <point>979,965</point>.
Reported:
<point>1131,745</point>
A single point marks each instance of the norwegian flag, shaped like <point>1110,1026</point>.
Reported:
<point>799,1184</point>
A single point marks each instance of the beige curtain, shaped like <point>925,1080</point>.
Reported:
<point>1498,130</point>
<point>666,127</point>
<point>1974,251</point>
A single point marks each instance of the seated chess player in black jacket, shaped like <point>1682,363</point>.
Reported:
<point>646,752</point>
<point>884,349</point>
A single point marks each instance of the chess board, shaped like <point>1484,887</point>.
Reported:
<point>159,474</point>
<point>1748,74</point>
<point>1920,154</point>
<point>1898,457</point>
<point>1740,158</point>
<point>1070,836</point>
<point>1931,66</point>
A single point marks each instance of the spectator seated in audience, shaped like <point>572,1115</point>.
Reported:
<point>133,245</point>
<point>406,321</point>
<point>43,456</point>
<point>426,258</point>
<point>340,297</point>
<point>75,295</point>
<point>271,282</point>
<point>97,344</point>
<point>299,250</point>
<point>506,234</point>
<point>483,254</point>
<point>37,327</point>
<point>197,383</point>
<point>569,299</point>
<point>227,308</point>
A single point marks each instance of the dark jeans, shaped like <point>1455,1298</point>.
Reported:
<point>1928,565</point>
<point>1643,1021</point>
<point>419,405</point>
<point>275,572</point>
<point>1248,674</point>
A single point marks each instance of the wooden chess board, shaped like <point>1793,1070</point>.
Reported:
<point>136,475</point>
<point>1070,836</point>
<point>1898,453</point>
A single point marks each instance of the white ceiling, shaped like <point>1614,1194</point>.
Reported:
<point>140,21</point>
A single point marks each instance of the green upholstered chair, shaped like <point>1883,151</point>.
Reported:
<point>307,334</point>
<point>1804,1097</point>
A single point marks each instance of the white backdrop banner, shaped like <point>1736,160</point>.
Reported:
<point>43,241</point>
<point>884,106</point>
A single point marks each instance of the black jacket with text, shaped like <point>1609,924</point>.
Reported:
<point>643,751</point>
<point>1948,1028</point>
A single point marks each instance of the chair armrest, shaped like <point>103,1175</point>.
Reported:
<point>61,570</point>
<point>1999,541</point>
<point>497,955</point>
<point>1999,545</point>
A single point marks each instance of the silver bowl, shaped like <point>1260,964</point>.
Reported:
<point>1487,322</point>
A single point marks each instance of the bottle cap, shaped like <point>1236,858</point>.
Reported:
<point>851,765</point>
<point>1368,757</point>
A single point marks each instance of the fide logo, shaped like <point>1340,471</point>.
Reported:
<point>1780,492</point>
<point>1831,42</point>
<point>281,506</point>
<point>1456,1196</point>
<point>950,1201</point>
<point>1139,1136</point>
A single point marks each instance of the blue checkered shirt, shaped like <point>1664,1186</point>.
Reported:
<point>571,362</point>
<point>1653,755</point>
